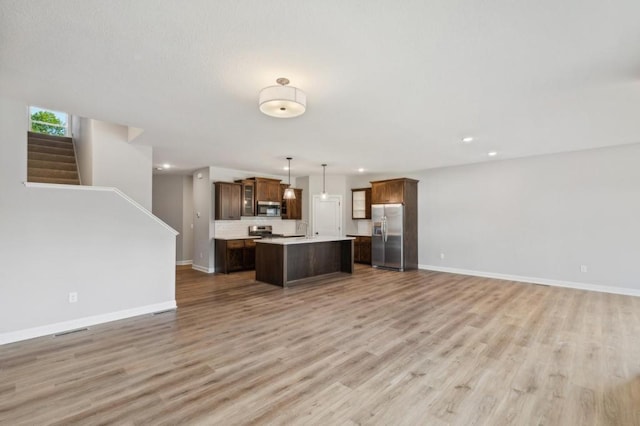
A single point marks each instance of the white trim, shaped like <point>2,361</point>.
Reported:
<point>101,188</point>
<point>45,330</point>
<point>184,262</point>
<point>533,280</point>
<point>203,269</point>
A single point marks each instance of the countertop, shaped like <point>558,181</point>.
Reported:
<point>301,240</point>
<point>358,235</point>
<point>247,237</point>
<point>240,237</point>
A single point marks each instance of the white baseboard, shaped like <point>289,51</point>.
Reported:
<point>45,330</point>
<point>533,280</point>
<point>184,262</point>
<point>203,269</point>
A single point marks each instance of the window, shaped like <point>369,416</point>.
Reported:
<point>48,122</point>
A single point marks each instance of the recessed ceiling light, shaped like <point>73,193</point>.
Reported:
<point>492,153</point>
<point>158,168</point>
<point>166,165</point>
<point>285,168</point>
<point>467,139</point>
<point>361,170</point>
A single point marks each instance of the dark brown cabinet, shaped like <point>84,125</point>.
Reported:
<point>392,191</point>
<point>267,189</point>
<point>228,201</point>
<point>361,249</point>
<point>248,197</point>
<point>361,203</point>
<point>291,209</point>
<point>235,255</point>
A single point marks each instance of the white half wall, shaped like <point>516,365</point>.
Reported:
<point>57,239</point>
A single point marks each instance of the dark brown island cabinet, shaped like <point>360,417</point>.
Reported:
<point>283,261</point>
<point>234,255</point>
<point>361,249</point>
<point>227,200</point>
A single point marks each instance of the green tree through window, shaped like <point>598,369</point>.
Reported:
<point>47,122</point>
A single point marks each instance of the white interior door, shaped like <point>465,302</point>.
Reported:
<point>327,216</point>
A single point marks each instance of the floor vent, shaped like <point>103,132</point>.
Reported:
<point>77,330</point>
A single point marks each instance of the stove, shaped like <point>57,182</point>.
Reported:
<point>264,231</point>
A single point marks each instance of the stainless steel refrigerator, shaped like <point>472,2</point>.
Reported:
<point>387,243</point>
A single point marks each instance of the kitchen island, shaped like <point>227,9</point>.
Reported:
<point>282,261</point>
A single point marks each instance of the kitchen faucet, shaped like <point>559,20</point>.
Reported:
<point>305,224</point>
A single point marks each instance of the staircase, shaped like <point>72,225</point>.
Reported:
<point>51,159</point>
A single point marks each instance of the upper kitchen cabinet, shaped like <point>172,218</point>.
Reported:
<point>361,203</point>
<point>292,209</point>
<point>248,197</point>
<point>393,191</point>
<point>267,189</point>
<point>228,201</point>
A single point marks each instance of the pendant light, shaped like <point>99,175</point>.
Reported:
<point>324,191</point>
<point>289,193</point>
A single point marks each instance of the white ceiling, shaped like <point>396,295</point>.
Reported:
<point>392,86</point>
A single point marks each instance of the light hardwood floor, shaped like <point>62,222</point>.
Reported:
<point>378,347</point>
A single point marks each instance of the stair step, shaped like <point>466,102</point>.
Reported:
<point>48,137</point>
<point>50,150</point>
<point>65,174</point>
<point>48,142</point>
<point>53,165</point>
<point>42,179</point>
<point>51,157</point>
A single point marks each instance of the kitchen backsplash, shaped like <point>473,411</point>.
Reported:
<point>238,228</point>
<point>364,227</point>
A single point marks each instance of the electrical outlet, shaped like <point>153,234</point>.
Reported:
<point>441,255</point>
<point>201,256</point>
<point>73,297</point>
<point>583,268</point>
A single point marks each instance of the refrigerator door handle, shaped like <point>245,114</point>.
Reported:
<point>384,228</point>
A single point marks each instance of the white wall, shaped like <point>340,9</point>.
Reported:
<point>121,164</point>
<point>54,241</point>
<point>168,205</point>
<point>173,203</point>
<point>83,140</point>
<point>540,217</point>
<point>202,221</point>
<point>107,158</point>
<point>187,219</point>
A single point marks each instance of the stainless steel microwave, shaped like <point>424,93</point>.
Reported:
<point>268,208</point>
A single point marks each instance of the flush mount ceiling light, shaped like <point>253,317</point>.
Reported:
<point>324,191</point>
<point>282,101</point>
<point>289,193</point>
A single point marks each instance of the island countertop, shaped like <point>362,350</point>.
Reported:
<point>302,240</point>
